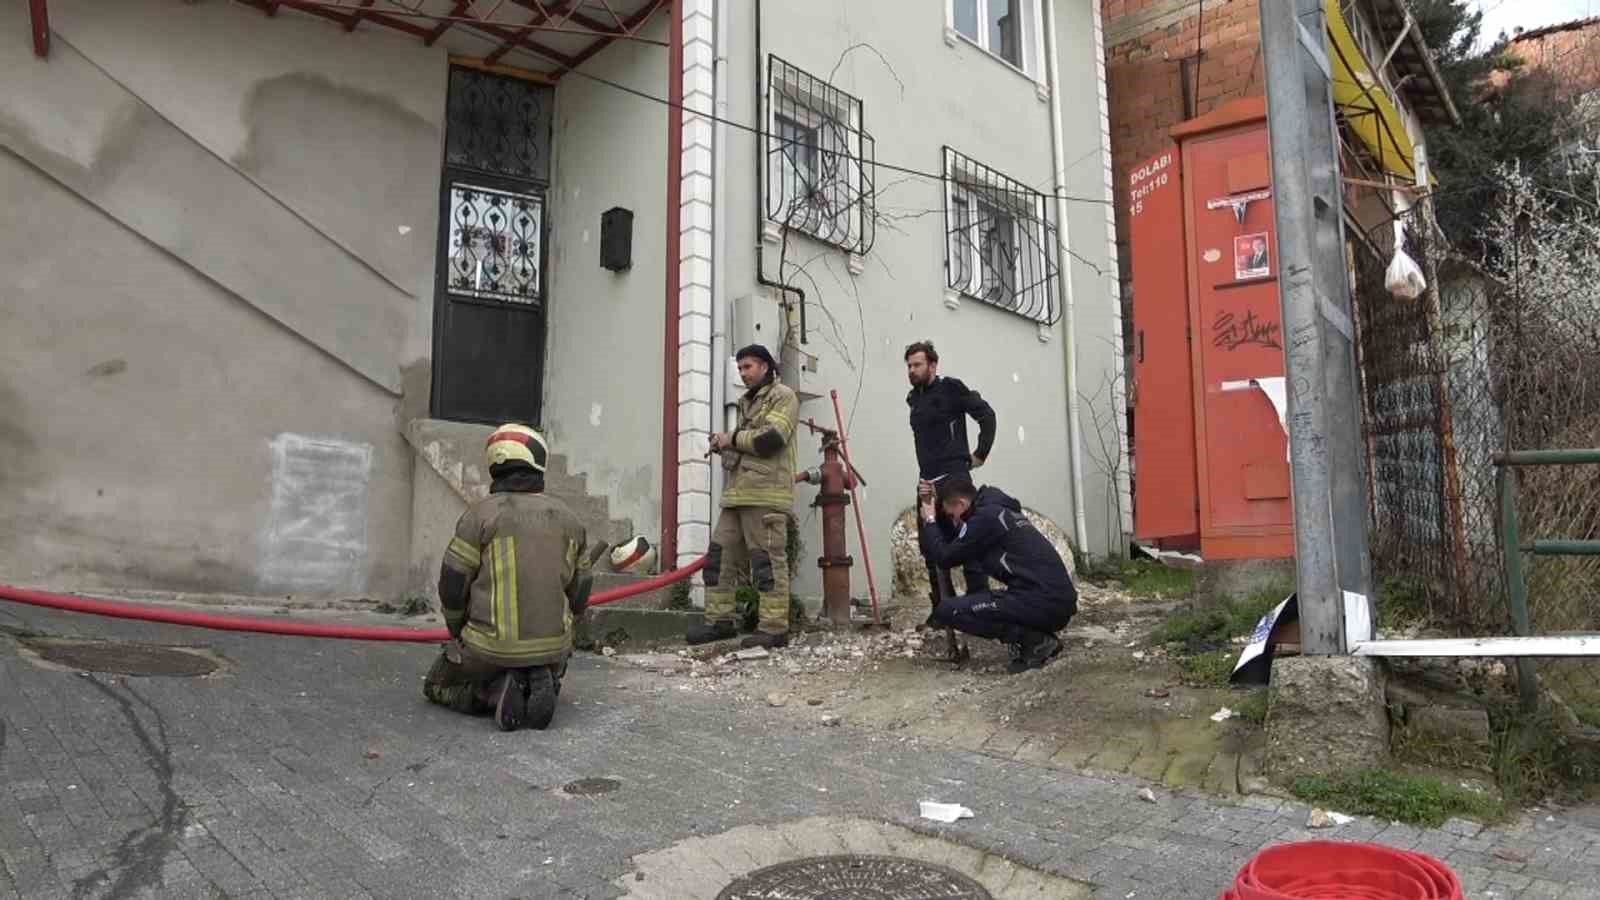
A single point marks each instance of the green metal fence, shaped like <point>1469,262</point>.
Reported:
<point>1512,546</point>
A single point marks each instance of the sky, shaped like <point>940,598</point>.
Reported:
<point>1509,14</point>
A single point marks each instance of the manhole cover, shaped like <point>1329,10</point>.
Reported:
<point>121,659</point>
<point>840,877</point>
<point>587,786</point>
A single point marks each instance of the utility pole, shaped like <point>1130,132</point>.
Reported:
<point>1324,423</point>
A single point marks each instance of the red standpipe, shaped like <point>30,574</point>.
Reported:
<point>861,528</point>
<point>669,352</point>
<point>290,628</point>
<point>832,480</point>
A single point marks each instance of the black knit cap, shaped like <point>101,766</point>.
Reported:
<point>758,351</point>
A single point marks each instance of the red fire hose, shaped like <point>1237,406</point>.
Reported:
<point>1311,870</point>
<point>197,619</point>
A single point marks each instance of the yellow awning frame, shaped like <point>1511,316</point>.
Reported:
<point>1366,106</point>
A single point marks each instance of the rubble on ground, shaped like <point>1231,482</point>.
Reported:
<point>723,666</point>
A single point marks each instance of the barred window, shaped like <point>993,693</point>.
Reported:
<point>999,241</point>
<point>819,160</point>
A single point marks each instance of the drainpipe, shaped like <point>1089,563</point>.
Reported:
<point>669,361</point>
<point>1069,319</point>
<point>39,16</point>
<point>759,111</point>
<point>719,241</point>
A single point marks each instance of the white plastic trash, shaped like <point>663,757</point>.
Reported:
<point>944,812</point>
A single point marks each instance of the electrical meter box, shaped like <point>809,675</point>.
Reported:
<point>1211,452</point>
<point>758,319</point>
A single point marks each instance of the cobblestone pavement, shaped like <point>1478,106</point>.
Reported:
<point>315,769</point>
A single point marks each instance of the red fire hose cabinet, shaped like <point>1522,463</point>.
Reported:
<point>1211,454</point>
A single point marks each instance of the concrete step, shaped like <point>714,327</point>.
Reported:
<point>634,628</point>
<point>455,451</point>
<point>609,581</point>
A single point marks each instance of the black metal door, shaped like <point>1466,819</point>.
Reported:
<point>490,302</point>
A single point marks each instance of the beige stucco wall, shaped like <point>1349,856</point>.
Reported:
<point>219,240</point>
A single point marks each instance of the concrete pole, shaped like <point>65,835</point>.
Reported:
<point>1330,504</point>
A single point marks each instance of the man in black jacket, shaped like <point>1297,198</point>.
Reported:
<point>1039,598</point>
<point>939,409</point>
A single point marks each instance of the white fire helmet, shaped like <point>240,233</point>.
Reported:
<point>634,555</point>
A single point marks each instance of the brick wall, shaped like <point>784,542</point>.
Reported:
<point>1145,39</point>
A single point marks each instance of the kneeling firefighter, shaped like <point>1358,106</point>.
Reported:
<point>511,583</point>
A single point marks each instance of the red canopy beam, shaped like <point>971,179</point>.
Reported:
<point>572,15</point>
<point>355,17</point>
<point>40,17</point>
<point>541,17</point>
<point>444,24</point>
<point>632,26</point>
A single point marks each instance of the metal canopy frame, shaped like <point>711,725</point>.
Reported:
<point>511,25</point>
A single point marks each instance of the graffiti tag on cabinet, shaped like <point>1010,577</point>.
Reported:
<point>1230,332</point>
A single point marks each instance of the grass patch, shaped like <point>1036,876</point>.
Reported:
<point>1197,629</point>
<point>1534,758</point>
<point>1402,601</point>
<point>1587,711</point>
<point>1414,799</point>
<point>1144,578</point>
<point>1140,577</point>
<point>1209,669</point>
<point>1253,708</point>
<point>678,598</point>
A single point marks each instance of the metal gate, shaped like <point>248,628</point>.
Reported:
<point>489,296</point>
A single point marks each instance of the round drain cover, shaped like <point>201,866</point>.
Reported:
<point>840,877</point>
<point>587,786</point>
<point>119,658</point>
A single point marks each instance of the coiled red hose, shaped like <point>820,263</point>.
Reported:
<point>290,628</point>
<point>1312,870</point>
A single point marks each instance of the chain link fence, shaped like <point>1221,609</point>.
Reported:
<point>1501,352</point>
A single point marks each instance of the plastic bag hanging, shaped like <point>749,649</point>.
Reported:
<point>1404,277</point>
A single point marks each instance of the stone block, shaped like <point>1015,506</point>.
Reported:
<point>910,584</point>
<point>1327,717</point>
<point>1453,725</point>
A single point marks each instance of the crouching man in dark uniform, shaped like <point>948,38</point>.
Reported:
<point>510,585</point>
<point>1039,598</point>
<point>940,406</point>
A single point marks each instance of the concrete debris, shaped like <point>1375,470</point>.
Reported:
<point>751,654</point>
<point>1510,855</point>
<point>1147,795</point>
<point>1321,818</point>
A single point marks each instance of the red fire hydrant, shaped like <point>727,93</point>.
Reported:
<point>835,482</point>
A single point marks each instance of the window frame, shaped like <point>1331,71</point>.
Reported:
<point>1030,35</point>
<point>817,107</point>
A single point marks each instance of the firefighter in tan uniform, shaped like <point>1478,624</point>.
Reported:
<point>753,528</point>
<point>511,582</point>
